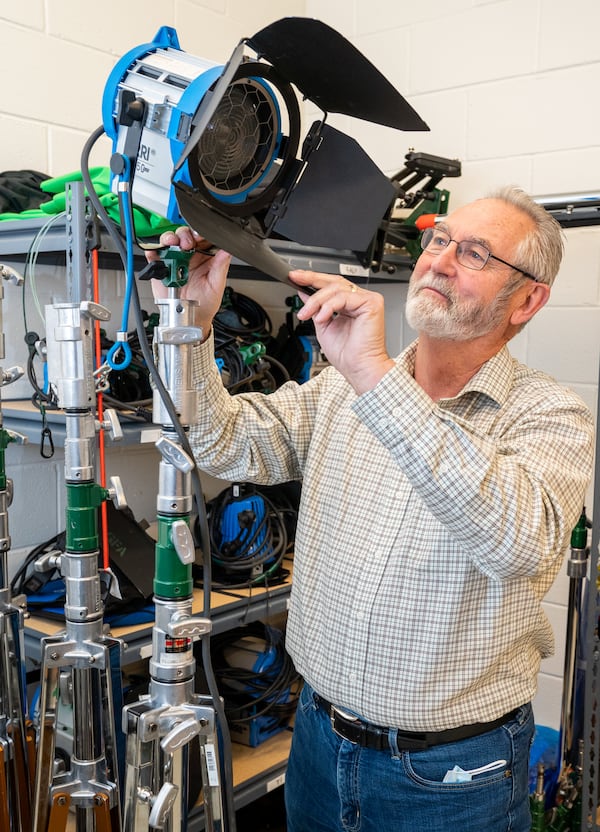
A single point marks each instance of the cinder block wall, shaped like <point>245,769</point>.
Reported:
<point>507,86</point>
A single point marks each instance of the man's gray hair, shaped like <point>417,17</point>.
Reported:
<point>540,253</point>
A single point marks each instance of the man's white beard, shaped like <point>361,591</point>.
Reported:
<point>456,319</point>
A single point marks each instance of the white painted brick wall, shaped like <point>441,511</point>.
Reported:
<point>507,86</point>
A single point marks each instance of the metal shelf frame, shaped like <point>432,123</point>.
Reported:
<point>16,237</point>
<point>234,609</point>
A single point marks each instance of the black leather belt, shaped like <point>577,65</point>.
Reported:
<point>367,735</point>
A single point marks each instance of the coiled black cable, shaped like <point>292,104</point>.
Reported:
<point>250,693</point>
<point>241,316</point>
<point>255,554</point>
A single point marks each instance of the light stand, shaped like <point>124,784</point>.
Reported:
<point>162,725</point>
<point>80,667</point>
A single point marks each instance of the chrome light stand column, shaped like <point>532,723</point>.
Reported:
<point>80,667</point>
<point>161,726</point>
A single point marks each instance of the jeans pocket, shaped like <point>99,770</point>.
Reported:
<point>489,757</point>
<point>510,742</point>
<point>436,776</point>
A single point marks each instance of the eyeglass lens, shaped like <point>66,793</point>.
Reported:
<point>469,254</point>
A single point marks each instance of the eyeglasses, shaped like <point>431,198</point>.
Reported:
<point>469,254</point>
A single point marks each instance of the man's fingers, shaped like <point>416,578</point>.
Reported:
<point>325,296</point>
<point>169,238</point>
<point>183,237</point>
<point>310,281</point>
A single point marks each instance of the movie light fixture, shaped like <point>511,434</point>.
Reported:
<point>221,148</point>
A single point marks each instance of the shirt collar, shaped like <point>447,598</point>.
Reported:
<point>493,379</point>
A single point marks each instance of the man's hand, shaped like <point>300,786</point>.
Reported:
<point>207,273</point>
<point>349,324</point>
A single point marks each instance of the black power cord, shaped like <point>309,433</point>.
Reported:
<point>25,580</point>
<point>269,687</point>
<point>242,327</point>
<point>40,397</point>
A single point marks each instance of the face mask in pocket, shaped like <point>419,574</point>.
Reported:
<point>459,775</point>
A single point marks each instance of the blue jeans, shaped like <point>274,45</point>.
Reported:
<point>333,785</point>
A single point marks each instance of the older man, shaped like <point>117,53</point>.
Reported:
<point>439,492</point>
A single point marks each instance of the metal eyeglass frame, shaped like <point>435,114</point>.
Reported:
<point>427,238</point>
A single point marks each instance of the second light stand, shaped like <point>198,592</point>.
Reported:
<point>165,725</point>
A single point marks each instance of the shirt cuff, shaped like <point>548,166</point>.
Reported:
<point>203,358</point>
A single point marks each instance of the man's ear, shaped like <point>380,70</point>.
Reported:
<point>531,303</point>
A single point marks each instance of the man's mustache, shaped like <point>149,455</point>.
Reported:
<point>439,284</point>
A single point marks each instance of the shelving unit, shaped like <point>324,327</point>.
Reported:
<point>229,609</point>
<point>256,772</point>
<point>576,211</point>
<point>23,417</point>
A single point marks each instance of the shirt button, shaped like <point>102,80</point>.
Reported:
<point>360,615</point>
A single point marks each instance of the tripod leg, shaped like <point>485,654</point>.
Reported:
<point>31,750</point>
<point>112,699</point>
<point>142,768</point>
<point>46,744</point>
<point>4,813</point>
<point>105,818</point>
<point>22,784</point>
<point>213,799</point>
<point>59,812</point>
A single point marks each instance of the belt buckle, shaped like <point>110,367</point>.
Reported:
<point>356,723</point>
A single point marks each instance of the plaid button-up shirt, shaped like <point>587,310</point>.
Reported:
<point>428,532</point>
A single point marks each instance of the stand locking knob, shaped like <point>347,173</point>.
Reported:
<point>19,438</point>
<point>112,424</point>
<point>183,541</point>
<point>185,626</point>
<point>162,806</point>
<point>116,493</point>
<point>173,453</point>
<point>10,375</point>
<point>182,734</point>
